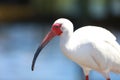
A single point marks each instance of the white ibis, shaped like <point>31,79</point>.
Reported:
<point>91,47</point>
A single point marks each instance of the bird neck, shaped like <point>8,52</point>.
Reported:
<point>64,39</point>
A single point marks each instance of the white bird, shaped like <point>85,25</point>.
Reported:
<point>91,47</point>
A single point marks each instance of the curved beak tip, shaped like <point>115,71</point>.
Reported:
<point>48,37</point>
<point>32,68</point>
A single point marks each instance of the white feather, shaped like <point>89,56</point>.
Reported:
<point>91,47</point>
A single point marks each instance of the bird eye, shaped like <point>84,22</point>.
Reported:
<point>57,26</point>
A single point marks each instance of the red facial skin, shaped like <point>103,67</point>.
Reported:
<point>55,31</point>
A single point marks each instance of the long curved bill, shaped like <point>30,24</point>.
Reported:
<point>47,38</point>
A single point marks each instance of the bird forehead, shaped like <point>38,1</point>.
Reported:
<point>56,25</point>
<point>62,20</point>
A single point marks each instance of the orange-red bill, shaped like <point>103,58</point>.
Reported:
<point>48,37</point>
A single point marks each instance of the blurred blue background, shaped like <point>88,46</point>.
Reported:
<point>24,23</point>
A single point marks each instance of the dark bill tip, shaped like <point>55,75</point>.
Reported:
<point>48,37</point>
<point>35,57</point>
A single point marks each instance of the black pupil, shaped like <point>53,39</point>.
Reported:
<point>57,26</point>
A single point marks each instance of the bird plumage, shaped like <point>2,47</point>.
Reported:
<point>91,47</point>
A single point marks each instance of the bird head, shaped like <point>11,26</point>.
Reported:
<point>59,27</point>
